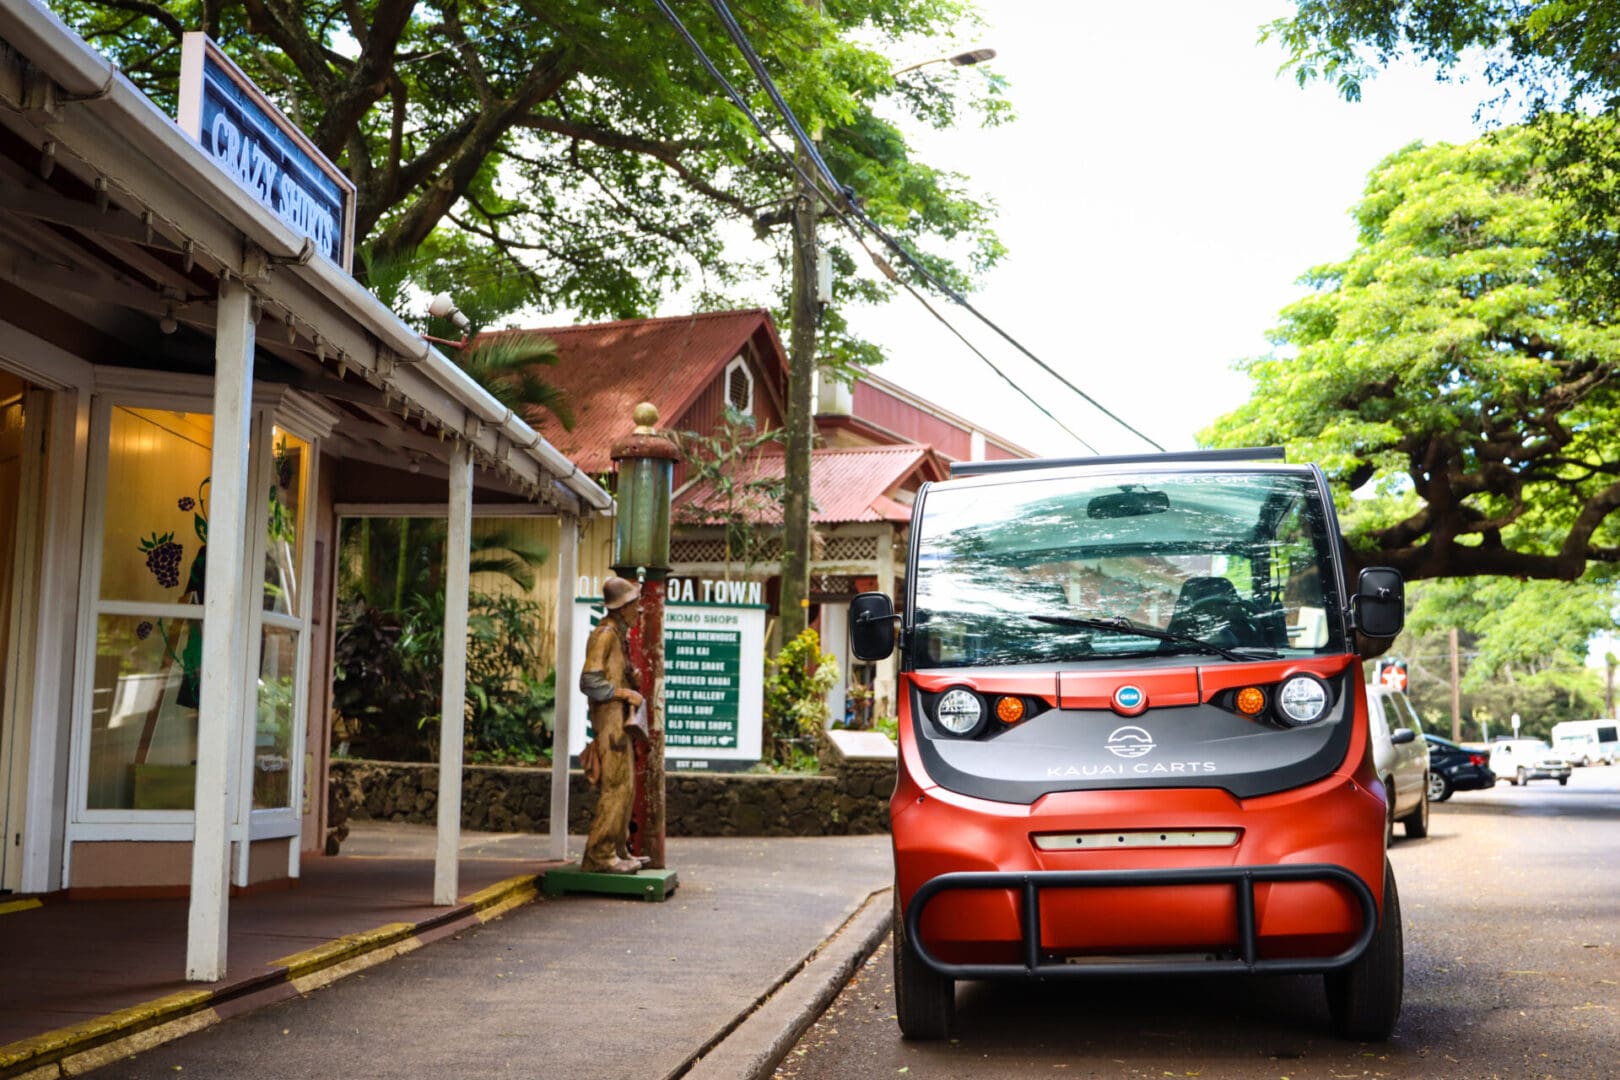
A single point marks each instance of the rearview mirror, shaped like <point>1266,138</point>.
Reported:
<point>871,626</point>
<point>1380,602</point>
<point>1132,502</point>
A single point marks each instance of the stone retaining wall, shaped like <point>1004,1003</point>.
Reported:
<point>852,799</point>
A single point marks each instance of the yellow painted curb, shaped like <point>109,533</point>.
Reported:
<point>495,893</point>
<point>515,900</point>
<point>359,962</point>
<point>139,1042</point>
<point>340,949</point>
<point>18,905</point>
<point>147,1014</point>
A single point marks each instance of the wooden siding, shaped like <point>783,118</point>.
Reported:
<point>911,423</point>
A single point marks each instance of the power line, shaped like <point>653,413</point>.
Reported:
<point>923,300</point>
<point>812,183</point>
<point>847,194</point>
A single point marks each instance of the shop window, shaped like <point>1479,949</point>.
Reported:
<point>139,712</point>
<point>148,661</point>
<point>283,623</point>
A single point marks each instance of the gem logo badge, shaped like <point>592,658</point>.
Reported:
<point>1130,701</point>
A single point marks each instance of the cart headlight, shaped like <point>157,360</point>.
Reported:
<point>959,712</point>
<point>1303,699</point>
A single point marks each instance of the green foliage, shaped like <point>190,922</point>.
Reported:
<point>797,680</point>
<point>1522,648</point>
<point>735,493</point>
<point>1537,58</point>
<point>1440,372</point>
<point>388,677</point>
<point>504,364</point>
<point>550,155</point>
<point>374,562</point>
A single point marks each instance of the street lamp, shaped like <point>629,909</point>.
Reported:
<point>961,59</point>
<point>443,306</point>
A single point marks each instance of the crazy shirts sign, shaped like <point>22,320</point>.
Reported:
<point>714,676</point>
<point>252,141</point>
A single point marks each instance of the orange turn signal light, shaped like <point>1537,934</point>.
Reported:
<point>1250,700</point>
<point>1010,710</point>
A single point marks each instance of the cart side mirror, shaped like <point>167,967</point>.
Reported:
<point>871,626</point>
<point>1380,602</point>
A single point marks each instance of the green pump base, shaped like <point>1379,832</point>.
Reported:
<point>654,885</point>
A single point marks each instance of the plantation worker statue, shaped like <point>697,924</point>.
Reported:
<point>611,686</point>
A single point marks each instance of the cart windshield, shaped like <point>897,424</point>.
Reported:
<point>1232,565</point>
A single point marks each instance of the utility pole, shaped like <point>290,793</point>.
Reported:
<point>1609,660</point>
<point>795,595</point>
<point>1456,692</point>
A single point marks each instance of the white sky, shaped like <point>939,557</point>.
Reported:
<point>1159,193</point>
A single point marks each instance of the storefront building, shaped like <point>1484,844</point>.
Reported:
<point>190,384</point>
<point>876,443</point>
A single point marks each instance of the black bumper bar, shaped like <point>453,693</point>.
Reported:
<point>1030,884</point>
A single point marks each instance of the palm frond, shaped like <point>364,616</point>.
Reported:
<point>504,364</point>
<point>505,564</point>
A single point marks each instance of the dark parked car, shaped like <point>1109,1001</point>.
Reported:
<point>1455,768</point>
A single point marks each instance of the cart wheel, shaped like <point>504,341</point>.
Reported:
<point>1364,999</point>
<point>925,1001</point>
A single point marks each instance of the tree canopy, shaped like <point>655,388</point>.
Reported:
<point>1542,59</point>
<point>1522,647</point>
<point>1441,372</point>
<point>571,155</point>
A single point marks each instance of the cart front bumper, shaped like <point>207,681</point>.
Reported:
<point>1247,961</point>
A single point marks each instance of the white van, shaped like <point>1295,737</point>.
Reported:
<point>1588,742</point>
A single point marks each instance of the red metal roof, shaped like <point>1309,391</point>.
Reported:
<point>606,369</point>
<point>848,484</point>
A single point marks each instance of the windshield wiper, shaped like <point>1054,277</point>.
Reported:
<point>1120,625</point>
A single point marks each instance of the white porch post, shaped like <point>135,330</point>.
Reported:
<point>223,688</point>
<point>453,696</point>
<point>883,680</point>
<point>562,724</point>
<point>835,640</point>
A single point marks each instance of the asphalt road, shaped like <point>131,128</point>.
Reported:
<point>1512,921</point>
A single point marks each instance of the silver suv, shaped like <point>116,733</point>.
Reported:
<point>1401,755</point>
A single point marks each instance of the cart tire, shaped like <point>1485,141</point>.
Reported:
<point>1364,999</point>
<point>1440,788</point>
<point>925,1001</point>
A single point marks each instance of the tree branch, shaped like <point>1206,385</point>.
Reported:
<point>405,235</point>
<point>667,153</point>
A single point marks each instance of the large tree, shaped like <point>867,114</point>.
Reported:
<point>1538,60</point>
<point>576,155</point>
<point>1441,368</point>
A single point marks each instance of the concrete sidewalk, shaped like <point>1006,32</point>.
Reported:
<point>574,986</point>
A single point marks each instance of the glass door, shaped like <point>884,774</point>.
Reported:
<point>13,444</point>
<point>148,606</point>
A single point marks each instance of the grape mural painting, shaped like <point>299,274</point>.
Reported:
<point>164,557</point>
